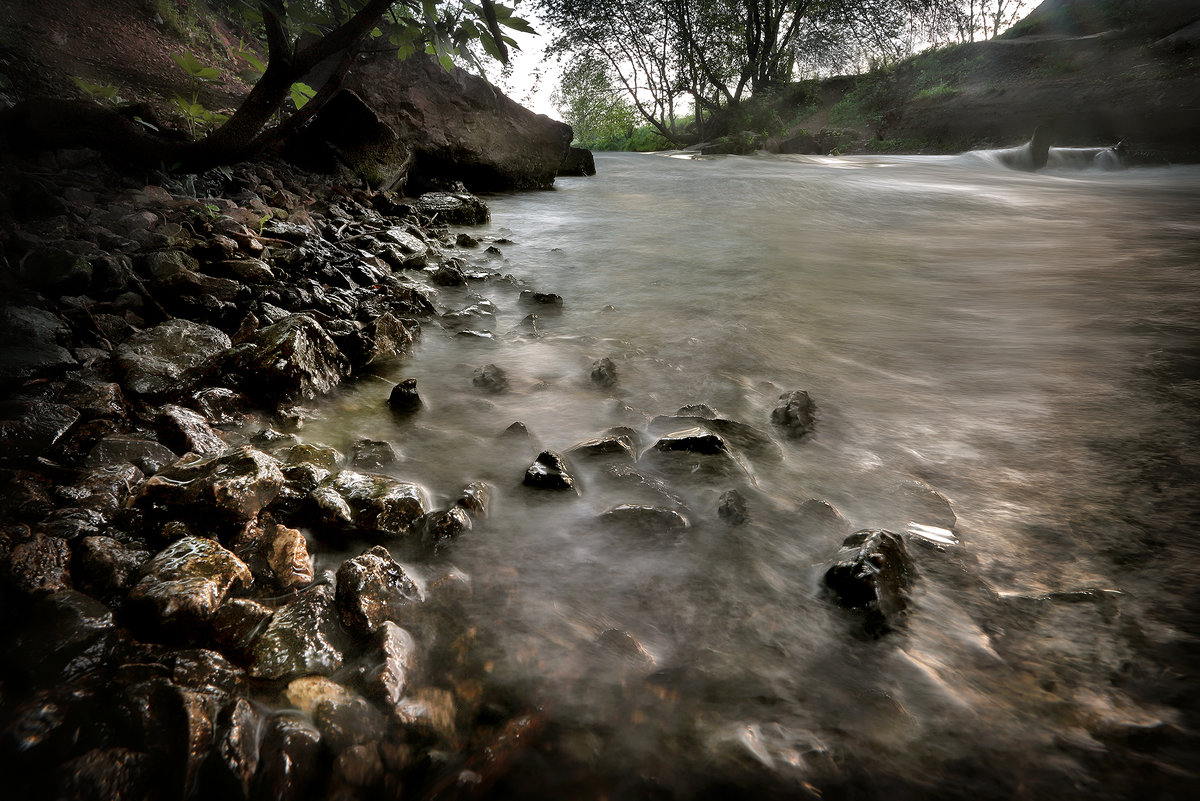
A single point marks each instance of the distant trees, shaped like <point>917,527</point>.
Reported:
<point>593,105</point>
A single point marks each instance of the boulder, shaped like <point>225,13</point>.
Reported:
<point>168,357</point>
<point>34,340</point>
<point>291,360</point>
<point>231,488</point>
<point>549,471</point>
<point>302,639</point>
<point>27,430</point>
<point>375,505</point>
<point>404,398</point>
<point>615,447</point>
<point>873,574</point>
<point>579,161</point>
<point>185,431</point>
<point>794,413</point>
<point>456,126</point>
<point>288,763</point>
<point>188,580</point>
<point>490,378</point>
<point>372,588</point>
<point>450,208</point>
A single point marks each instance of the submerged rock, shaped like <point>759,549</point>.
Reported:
<point>439,529</point>
<point>373,588</point>
<point>404,398</point>
<point>28,430</point>
<point>549,471</point>
<point>288,762</point>
<point>618,447</point>
<point>795,413</point>
<point>491,378</point>
<point>33,344</point>
<point>603,373</point>
<point>476,498</point>
<point>188,580</point>
<point>302,639</point>
<point>873,574</point>
<point>732,508</point>
<point>650,520</point>
<point>374,505</point>
<point>387,679</point>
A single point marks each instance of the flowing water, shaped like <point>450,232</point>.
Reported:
<point>1024,344</point>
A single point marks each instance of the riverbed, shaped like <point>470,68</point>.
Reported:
<point>1006,371</point>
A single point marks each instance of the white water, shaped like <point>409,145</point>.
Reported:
<point>1024,343</point>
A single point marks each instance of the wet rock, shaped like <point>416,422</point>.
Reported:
<point>221,406</point>
<point>348,722</point>
<point>237,623</point>
<point>403,250</point>
<point>465,240</point>
<point>395,660</point>
<point>372,588</point>
<point>732,508</point>
<point>231,488</point>
<point>476,316</point>
<point>452,208</point>
<point>291,360</point>
<point>374,505</point>
<point>745,438</point>
<point>387,337</point>
<point>693,440</point>
<point>547,302</point>
<point>649,520</point>
<point>168,357</point>
<point>27,430</point>
<point>617,446</point>
<point>476,498</point>
<point>147,455</point>
<point>873,574</point>
<point>404,398</point>
<point>105,567</point>
<point>301,639</point>
<point>25,496</point>
<point>794,413</point>
<point>357,772</point>
<point>234,759</point>
<point>288,759</point>
<point>41,564</point>
<point>439,529</point>
<point>490,378</point>
<point>306,692</point>
<point>63,636</point>
<point>251,271</point>
<point>310,453</point>
<point>188,580</point>
<point>185,431</point>
<point>549,471</point>
<point>103,490</point>
<point>33,344</point>
<point>603,373</point>
<point>816,516</point>
<point>922,504</point>
<point>448,275</point>
<point>277,556</point>
<point>206,671</point>
<point>95,400</point>
<point>630,479</point>
<point>106,773</point>
<point>57,270</point>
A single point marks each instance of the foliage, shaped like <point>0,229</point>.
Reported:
<point>197,116</point>
<point>99,92</point>
<point>869,103</point>
<point>594,107</point>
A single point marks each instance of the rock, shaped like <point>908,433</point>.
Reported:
<point>795,413</point>
<point>33,344</point>
<point>371,453</point>
<point>404,398</point>
<point>41,564</point>
<point>578,161</point>
<point>253,271</point>
<point>468,131</point>
<point>147,455</point>
<point>413,249</point>
<point>105,567</point>
<point>168,357</point>
<point>816,516</point>
<point>106,773</point>
<point>237,623</point>
<point>27,430</point>
<point>345,723</point>
<point>693,440</point>
<point>624,645</point>
<point>221,406</point>
<point>465,240</point>
<point>231,488</point>
<point>288,763</point>
<point>448,275</point>
<point>491,378</point>
<point>62,636</point>
<point>547,302</point>
<point>922,504</point>
<point>654,520</point>
<point>451,208</point>
<point>95,400</point>
<point>439,529</point>
<point>476,498</point>
<point>301,639</point>
<point>184,431</point>
<point>291,360</point>
<point>278,557</point>
<point>57,271</point>
<point>92,502</point>
<point>372,588</point>
<point>549,471</point>
<point>618,446</point>
<point>745,438</point>
<point>188,580</point>
<point>731,507</point>
<point>233,761</point>
<point>873,574</point>
<point>603,373</point>
<point>306,692</point>
<point>387,679</point>
<point>372,504</point>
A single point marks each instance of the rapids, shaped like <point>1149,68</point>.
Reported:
<point>1024,344</point>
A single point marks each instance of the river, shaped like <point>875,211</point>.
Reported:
<point>1024,345</point>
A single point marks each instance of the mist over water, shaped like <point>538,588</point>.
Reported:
<point>1024,344</point>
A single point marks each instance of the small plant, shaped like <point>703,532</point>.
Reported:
<point>106,93</point>
<point>198,116</point>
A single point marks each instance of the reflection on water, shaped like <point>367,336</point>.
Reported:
<point>1024,344</point>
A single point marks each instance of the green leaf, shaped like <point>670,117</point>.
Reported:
<point>253,60</point>
<point>301,94</point>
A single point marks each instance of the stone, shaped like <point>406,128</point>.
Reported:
<point>236,625</point>
<point>291,360</point>
<point>448,275</point>
<point>278,557</point>
<point>922,504</point>
<point>490,378</point>
<point>476,498</point>
<point>368,454</point>
<point>40,564</point>
<point>817,516</point>
<point>61,637</point>
<point>233,761</point>
<point>794,413</point>
<point>451,208</point>
<point>693,440</point>
<point>288,762</point>
<point>107,773</point>
<point>147,455</point>
<point>231,488</point>
<point>439,529</point>
<point>465,240</point>
<point>188,580</point>
<point>649,520</point>
<point>549,471</point>
<point>34,340</point>
<point>578,161</point>
<point>95,400</point>
<point>105,567</point>
<point>27,430</point>
<point>92,502</point>
<point>57,270</point>
<point>741,436</point>
<point>185,431</point>
<point>547,302</point>
<point>404,398</point>
<point>873,574</point>
<point>477,315</point>
<point>253,271</point>
<point>349,722</point>
<point>732,508</point>
<point>372,588</point>
<point>301,639</point>
<point>619,447</point>
<point>394,652</point>
<point>603,373</point>
<point>306,692</point>
<point>167,358</point>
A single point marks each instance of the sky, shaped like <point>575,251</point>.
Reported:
<point>524,85</point>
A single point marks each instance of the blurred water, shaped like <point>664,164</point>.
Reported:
<point>1023,343</point>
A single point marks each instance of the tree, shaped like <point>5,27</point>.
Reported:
<point>593,105</point>
<point>298,36</point>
